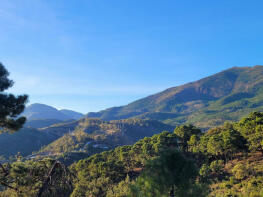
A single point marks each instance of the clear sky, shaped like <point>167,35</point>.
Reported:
<point>88,55</point>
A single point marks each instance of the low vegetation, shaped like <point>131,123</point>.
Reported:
<point>94,135</point>
<point>224,161</point>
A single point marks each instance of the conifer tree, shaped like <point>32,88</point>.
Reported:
<point>10,105</point>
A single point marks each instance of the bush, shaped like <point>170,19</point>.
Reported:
<point>216,166</point>
<point>240,171</point>
<point>204,171</point>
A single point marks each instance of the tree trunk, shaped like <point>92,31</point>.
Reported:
<point>45,184</point>
<point>172,192</point>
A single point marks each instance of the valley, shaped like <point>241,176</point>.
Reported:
<point>113,149</point>
<point>131,98</point>
<point>206,103</point>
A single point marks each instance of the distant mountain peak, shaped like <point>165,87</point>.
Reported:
<point>40,105</point>
<point>38,111</point>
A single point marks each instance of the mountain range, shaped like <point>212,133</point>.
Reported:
<point>228,95</point>
<point>38,111</point>
<point>208,102</point>
<point>41,115</point>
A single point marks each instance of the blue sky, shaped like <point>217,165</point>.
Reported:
<point>90,55</point>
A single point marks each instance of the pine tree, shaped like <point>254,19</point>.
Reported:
<point>10,105</point>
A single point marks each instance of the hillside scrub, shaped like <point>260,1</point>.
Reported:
<point>221,162</point>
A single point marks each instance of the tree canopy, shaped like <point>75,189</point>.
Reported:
<point>10,105</point>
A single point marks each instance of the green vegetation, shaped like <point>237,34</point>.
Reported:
<point>87,136</point>
<point>156,167</point>
<point>252,129</point>
<point>10,105</point>
<point>42,178</point>
<point>94,135</point>
<point>230,157</point>
<point>169,175</point>
<point>99,173</point>
<point>224,161</point>
<point>185,133</point>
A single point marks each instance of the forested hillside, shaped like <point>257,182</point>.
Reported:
<point>228,95</point>
<point>225,161</point>
<point>87,136</point>
<point>94,135</point>
<point>131,98</point>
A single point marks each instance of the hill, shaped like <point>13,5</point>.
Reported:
<point>88,136</point>
<point>41,123</point>
<point>25,142</point>
<point>40,111</point>
<point>224,161</point>
<point>28,140</point>
<point>228,95</point>
<point>94,135</point>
